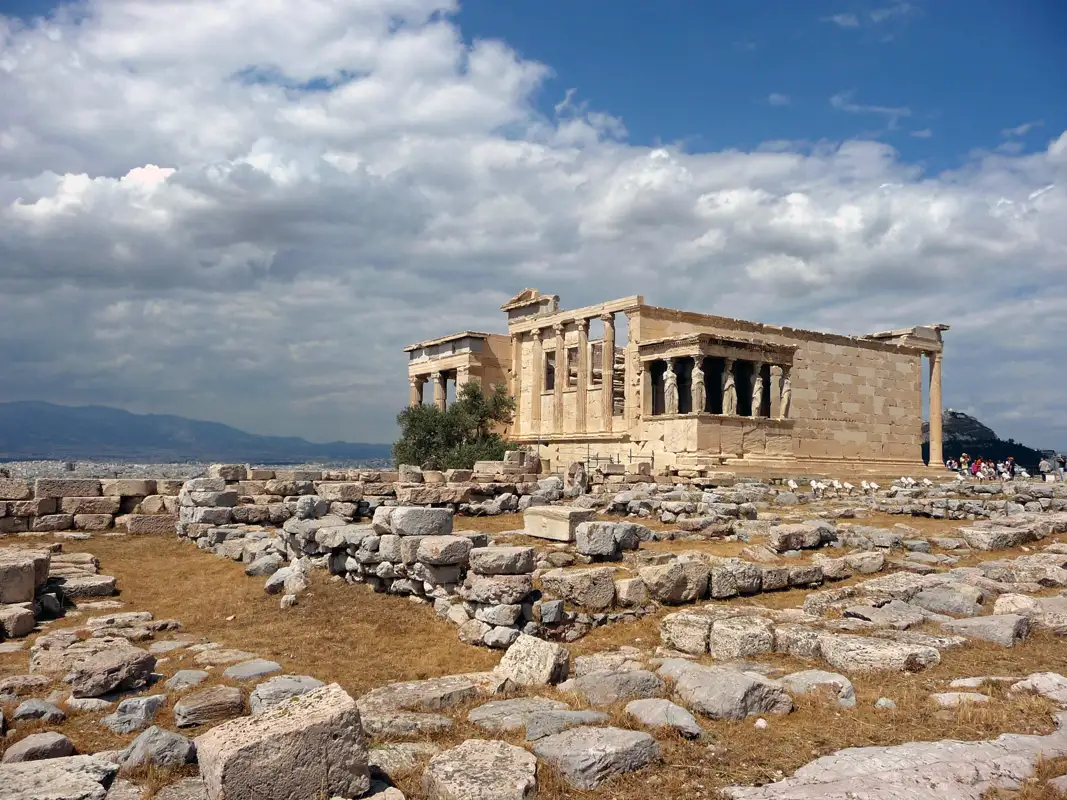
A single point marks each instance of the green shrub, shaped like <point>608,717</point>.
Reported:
<point>458,436</point>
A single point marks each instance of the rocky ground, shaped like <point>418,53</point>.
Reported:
<point>120,469</point>
<point>940,675</point>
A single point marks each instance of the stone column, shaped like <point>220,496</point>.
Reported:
<point>607,372</point>
<point>937,457</point>
<point>729,389</point>
<point>561,379</point>
<point>698,394</point>
<point>757,387</point>
<point>583,375</point>
<point>440,389</point>
<point>776,391</point>
<point>646,388</point>
<point>416,383</point>
<point>537,381</point>
<point>463,377</point>
<point>786,394</point>
<point>516,381</point>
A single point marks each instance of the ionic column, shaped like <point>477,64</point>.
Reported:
<point>516,380</point>
<point>936,454</point>
<point>537,381</point>
<point>561,378</point>
<point>607,371</point>
<point>786,394</point>
<point>440,390</point>
<point>583,374</point>
<point>729,389</point>
<point>416,383</point>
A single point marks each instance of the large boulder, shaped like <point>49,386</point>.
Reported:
<point>741,637</point>
<point>656,713</point>
<point>593,589</point>
<point>116,668</point>
<point>481,770</point>
<point>1002,629</point>
<point>313,742</point>
<point>586,757</point>
<point>70,778</point>
<point>417,521</point>
<point>444,550</point>
<point>499,560</point>
<point>159,748</point>
<point>17,577</point>
<point>208,705</point>
<point>721,693</point>
<point>134,713</point>
<point>279,689</point>
<point>534,662</point>
<point>679,581</point>
<point>38,747</point>
<point>850,653</point>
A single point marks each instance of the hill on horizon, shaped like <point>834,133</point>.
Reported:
<point>32,430</point>
<point>962,433</point>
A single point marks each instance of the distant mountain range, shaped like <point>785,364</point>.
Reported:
<point>31,430</point>
<point>962,433</point>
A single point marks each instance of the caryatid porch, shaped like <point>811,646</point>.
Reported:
<point>714,395</point>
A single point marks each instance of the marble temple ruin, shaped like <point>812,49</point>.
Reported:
<point>627,381</point>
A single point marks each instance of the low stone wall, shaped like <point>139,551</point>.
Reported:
<point>88,504</point>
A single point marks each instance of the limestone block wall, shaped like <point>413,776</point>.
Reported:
<point>88,504</point>
<point>853,398</point>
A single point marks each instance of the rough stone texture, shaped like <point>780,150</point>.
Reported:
<point>959,601</point>
<point>29,710</point>
<point>70,778</point>
<point>1047,684</point>
<point>264,566</point>
<point>595,539</point>
<point>473,631</point>
<point>586,757</point>
<point>549,723</point>
<point>153,524</point>
<point>67,487</point>
<point>510,715</point>
<point>502,560</point>
<point>605,688</point>
<point>17,578</point>
<point>113,669</point>
<point>403,724</point>
<point>957,699</point>
<point>186,679</point>
<point>863,654</point>
<point>38,747</point>
<point>279,689</point>
<point>208,705</point>
<point>687,631</point>
<point>134,713</point>
<point>593,589</point>
<point>253,668</point>
<point>631,592</point>
<point>534,662</point>
<point>432,694</point>
<point>16,621</point>
<point>721,693</point>
<point>481,770</point>
<point>497,589</point>
<point>810,680</point>
<point>1002,629</point>
<point>944,770</point>
<point>444,550</point>
<point>558,523</point>
<point>415,521</point>
<point>269,756</point>
<point>663,713</point>
<point>158,747</point>
<point>677,582</point>
<point>392,761</point>
<point>740,637</point>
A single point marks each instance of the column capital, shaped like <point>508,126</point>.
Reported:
<point>537,334</point>
<point>559,328</point>
<point>583,325</point>
<point>416,380</point>
<point>607,318</point>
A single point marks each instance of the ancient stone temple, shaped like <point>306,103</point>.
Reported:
<point>627,381</point>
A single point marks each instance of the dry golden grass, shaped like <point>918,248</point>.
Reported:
<point>361,640</point>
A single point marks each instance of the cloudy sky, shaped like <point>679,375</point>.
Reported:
<point>242,210</point>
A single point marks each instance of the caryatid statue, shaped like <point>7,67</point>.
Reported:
<point>787,394</point>
<point>757,388</point>
<point>729,389</point>
<point>670,390</point>
<point>698,388</point>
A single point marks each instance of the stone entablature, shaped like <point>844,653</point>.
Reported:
<point>676,387</point>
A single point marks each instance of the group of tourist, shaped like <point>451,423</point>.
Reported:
<point>1052,467</point>
<point>985,469</point>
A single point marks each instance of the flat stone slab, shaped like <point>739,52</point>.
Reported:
<point>279,689</point>
<point>158,747</point>
<point>1002,629</point>
<point>656,713</point>
<point>957,699</point>
<point>586,757</point>
<point>557,523</point>
<point>605,688</point>
<point>867,654</point>
<point>186,679</point>
<point>812,680</point>
<point>71,778</point>
<point>510,715</point>
<point>218,656</point>
<point>481,770</point>
<point>391,761</point>
<point>721,693</point>
<point>208,705</point>
<point>943,770</point>
<point>549,723</point>
<point>253,668</point>
<point>432,694</point>
<point>400,724</point>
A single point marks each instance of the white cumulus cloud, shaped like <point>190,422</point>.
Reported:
<point>243,211</point>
